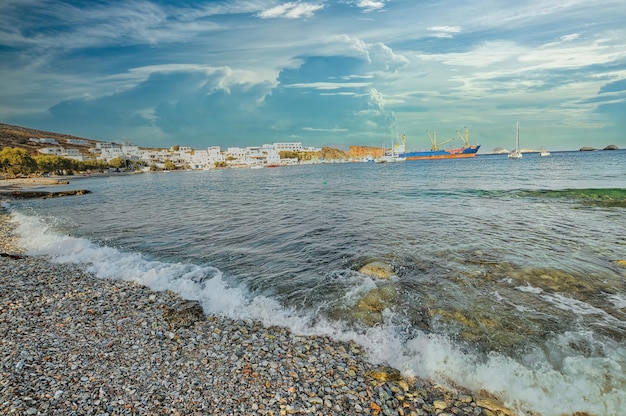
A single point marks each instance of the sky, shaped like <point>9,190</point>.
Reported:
<point>324,73</point>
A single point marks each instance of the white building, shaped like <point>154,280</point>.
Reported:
<point>62,152</point>
<point>44,140</point>
<point>77,142</point>
<point>109,153</point>
<point>289,147</point>
<point>55,151</point>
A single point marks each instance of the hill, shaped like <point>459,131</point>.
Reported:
<point>17,136</point>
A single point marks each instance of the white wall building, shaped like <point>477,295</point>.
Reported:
<point>109,153</point>
<point>289,147</point>
<point>77,142</point>
<point>44,140</point>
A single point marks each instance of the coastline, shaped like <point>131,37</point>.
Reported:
<point>76,344</point>
<point>21,183</point>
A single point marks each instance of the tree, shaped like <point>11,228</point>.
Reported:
<point>169,165</point>
<point>48,163</point>
<point>117,162</point>
<point>16,162</point>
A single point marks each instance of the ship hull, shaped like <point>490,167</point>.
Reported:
<point>460,153</point>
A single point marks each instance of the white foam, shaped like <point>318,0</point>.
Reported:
<point>596,385</point>
<point>529,288</point>
<point>617,300</point>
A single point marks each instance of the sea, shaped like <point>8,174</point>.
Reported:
<point>509,276</point>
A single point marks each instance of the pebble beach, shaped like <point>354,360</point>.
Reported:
<point>74,344</point>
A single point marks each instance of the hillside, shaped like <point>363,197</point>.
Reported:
<point>17,136</point>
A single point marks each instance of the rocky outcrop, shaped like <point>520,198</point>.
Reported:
<point>43,194</point>
<point>363,151</point>
<point>329,153</point>
<point>611,147</point>
<point>586,149</point>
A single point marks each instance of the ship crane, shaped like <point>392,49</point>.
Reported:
<point>466,139</point>
<point>434,140</point>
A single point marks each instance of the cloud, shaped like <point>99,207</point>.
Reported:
<point>293,10</point>
<point>444,31</point>
<point>569,38</point>
<point>368,5</point>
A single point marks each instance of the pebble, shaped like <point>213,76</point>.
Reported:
<point>73,344</point>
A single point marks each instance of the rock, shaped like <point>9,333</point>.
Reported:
<point>183,314</point>
<point>44,194</point>
<point>385,374</point>
<point>440,404</point>
<point>620,263</point>
<point>370,307</point>
<point>377,269</point>
<point>586,149</point>
<point>611,147</point>
<point>494,407</point>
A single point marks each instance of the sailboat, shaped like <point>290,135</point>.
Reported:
<point>543,152</point>
<point>516,154</point>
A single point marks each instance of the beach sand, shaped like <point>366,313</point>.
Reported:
<point>74,344</point>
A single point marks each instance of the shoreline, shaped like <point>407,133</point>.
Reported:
<point>21,183</point>
<point>74,343</point>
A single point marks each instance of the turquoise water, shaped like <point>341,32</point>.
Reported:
<point>507,273</point>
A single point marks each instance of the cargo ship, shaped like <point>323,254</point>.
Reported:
<point>436,152</point>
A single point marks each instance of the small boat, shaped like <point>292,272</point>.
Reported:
<point>544,153</point>
<point>516,154</point>
<point>436,152</point>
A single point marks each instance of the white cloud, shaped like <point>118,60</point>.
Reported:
<point>327,85</point>
<point>370,5</point>
<point>377,54</point>
<point>444,31</point>
<point>330,130</point>
<point>569,38</point>
<point>294,10</point>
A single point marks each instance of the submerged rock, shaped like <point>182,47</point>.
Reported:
<point>377,269</point>
<point>620,263</point>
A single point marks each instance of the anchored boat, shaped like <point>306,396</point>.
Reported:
<point>437,153</point>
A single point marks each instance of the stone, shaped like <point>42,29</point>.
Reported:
<point>620,263</point>
<point>385,373</point>
<point>440,404</point>
<point>377,269</point>
<point>494,407</point>
<point>183,314</point>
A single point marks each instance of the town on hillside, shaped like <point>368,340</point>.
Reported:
<point>178,157</point>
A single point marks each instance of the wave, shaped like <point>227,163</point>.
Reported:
<point>594,384</point>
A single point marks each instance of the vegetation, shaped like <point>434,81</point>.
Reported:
<point>16,162</point>
<point>286,154</point>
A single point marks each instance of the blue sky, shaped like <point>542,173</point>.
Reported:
<point>324,73</point>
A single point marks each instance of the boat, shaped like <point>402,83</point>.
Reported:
<point>544,153</point>
<point>436,152</point>
<point>516,154</point>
